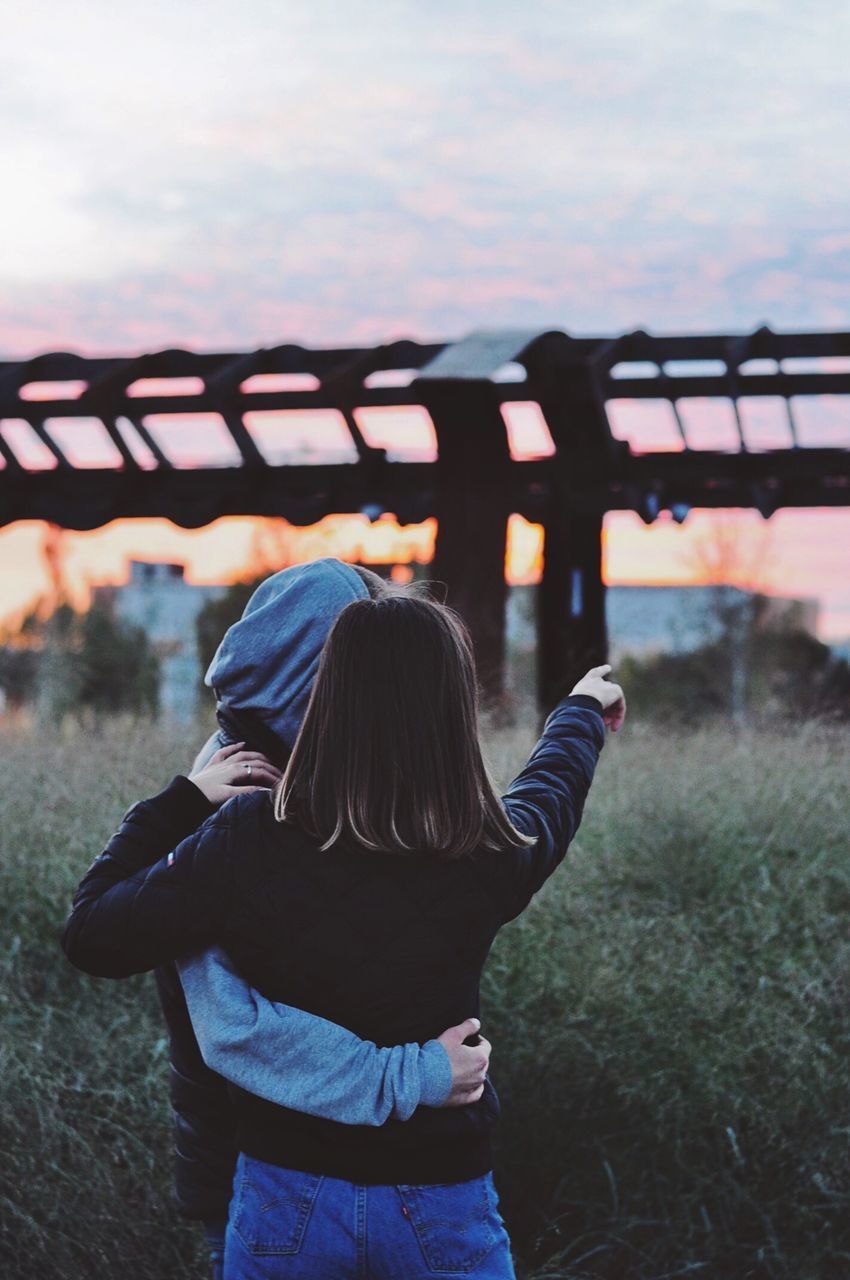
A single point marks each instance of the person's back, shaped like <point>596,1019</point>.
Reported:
<point>389,945</point>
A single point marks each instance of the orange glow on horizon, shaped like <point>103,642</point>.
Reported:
<point>796,553</point>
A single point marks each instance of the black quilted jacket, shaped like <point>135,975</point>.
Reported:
<point>391,947</point>
<point>205,1147</point>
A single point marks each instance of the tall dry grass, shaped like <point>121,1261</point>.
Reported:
<point>670,1020</point>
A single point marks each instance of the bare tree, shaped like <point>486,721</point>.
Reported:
<point>53,553</point>
<point>732,557</point>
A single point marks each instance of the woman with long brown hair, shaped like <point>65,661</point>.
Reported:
<point>367,889</point>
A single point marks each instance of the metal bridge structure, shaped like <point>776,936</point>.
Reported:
<point>637,422</point>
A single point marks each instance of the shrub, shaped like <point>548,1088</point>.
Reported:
<point>91,662</point>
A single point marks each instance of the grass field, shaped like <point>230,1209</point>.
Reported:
<point>670,1019</point>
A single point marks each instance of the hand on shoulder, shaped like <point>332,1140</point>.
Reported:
<point>233,771</point>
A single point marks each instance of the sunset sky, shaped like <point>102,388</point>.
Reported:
<point>218,176</point>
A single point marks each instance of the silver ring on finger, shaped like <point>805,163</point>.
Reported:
<point>248,769</point>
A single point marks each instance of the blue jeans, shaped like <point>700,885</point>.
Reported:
<point>285,1223</point>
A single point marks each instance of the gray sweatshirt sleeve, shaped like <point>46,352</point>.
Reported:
<point>298,1060</point>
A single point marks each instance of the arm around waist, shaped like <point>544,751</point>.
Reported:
<point>302,1061</point>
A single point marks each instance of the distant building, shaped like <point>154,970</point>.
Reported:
<point>677,619</point>
<point>158,599</point>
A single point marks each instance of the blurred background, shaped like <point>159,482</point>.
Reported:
<point>218,177</point>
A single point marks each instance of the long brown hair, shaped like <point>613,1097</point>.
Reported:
<point>388,756</point>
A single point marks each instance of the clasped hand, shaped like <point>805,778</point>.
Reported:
<point>233,770</point>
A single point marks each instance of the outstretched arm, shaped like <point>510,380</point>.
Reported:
<point>546,800</point>
<point>299,1060</point>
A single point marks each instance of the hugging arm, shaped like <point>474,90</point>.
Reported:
<point>136,909</point>
<point>140,905</point>
<point>299,1060</point>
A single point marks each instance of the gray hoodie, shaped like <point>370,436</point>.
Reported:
<point>267,661</point>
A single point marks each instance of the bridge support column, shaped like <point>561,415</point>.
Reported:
<point>472,507</point>
<point>571,627</point>
<point>470,559</point>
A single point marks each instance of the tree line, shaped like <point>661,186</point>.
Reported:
<point>59,660</point>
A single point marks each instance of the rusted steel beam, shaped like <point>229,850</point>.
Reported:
<point>665,387</point>
<point>784,386</point>
<point>763,343</point>
<point>204,402</point>
<point>87,499</point>
<point>105,374</point>
<point>798,478</point>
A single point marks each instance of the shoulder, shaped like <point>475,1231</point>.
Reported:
<point>249,808</point>
<point>238,815</point>
<point>231,837</point>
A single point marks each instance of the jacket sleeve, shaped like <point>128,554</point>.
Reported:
<point>136,908</point>
<point>205,1138</point>
<point>299,1060</point>
<point>546,800</point>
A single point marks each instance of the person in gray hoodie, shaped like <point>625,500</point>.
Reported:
<point>264,667</point>
<point>261,676</point>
